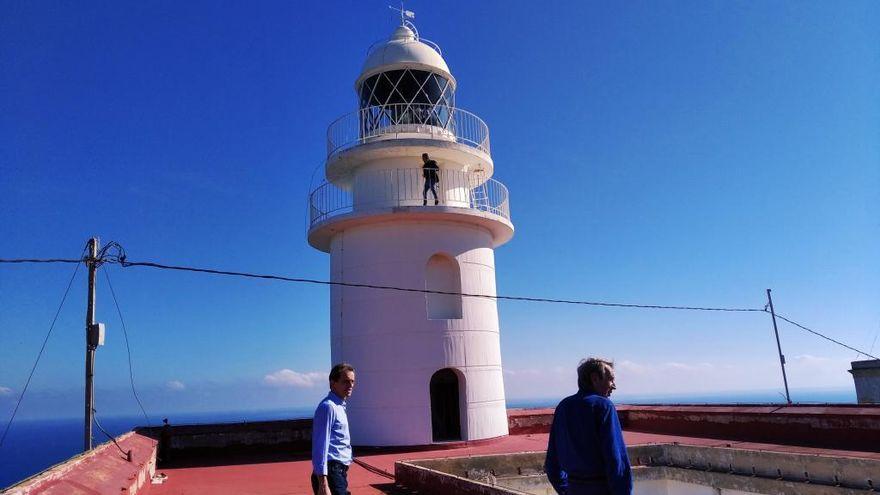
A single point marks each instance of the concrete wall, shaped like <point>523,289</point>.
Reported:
<point>672,487</point>
<point>847,427</point>
<point>662,469</point>
<point>836,427</point>
<point>388,337</point>
<point>205,440</point>
<point>866,376</point>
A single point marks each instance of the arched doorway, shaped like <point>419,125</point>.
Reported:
<point>445,413</point>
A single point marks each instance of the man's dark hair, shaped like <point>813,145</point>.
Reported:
<point>424,155</point>
<point>338,369</point>
<point>589,366</point>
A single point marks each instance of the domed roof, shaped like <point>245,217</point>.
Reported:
<point>403,50</point>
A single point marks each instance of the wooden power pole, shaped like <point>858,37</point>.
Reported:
<point>93,339</point>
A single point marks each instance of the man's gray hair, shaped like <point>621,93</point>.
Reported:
<point>589,366</point>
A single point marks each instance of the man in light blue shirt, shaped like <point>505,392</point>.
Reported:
<point>331,443</point>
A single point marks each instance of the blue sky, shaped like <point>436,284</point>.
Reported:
<point>655,152</point>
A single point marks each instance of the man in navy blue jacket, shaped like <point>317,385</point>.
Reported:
<point>586,454</point>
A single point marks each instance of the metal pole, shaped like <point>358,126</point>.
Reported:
<point>779,347</point>
<point>91,344</point>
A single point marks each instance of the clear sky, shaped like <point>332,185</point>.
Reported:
<point>665,152</point>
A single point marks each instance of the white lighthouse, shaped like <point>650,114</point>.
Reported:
<point>428,365</point>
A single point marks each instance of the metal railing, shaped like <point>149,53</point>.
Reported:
<point>401,120</point>
<point>379,189</point>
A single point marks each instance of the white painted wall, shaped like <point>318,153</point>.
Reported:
<point>443,275</point>
<point>395,348</point>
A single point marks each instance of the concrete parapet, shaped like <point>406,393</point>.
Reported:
<point>261,436</point>
<point>846,427</point>
<point>866,376</point>
<point>526,421</point>
<point>656,469</point>
<point>832,426</point>
<point>104,469</point>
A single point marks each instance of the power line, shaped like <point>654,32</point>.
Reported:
<point>39,354</point>
<point>120,258</point>
<point>112,439</point>
<point>35,260</point>
<point>125,263</point>
<point>823,336</point>
<point>127,348</point>
<point>875,340</point>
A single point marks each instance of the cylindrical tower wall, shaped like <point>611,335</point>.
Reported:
<point>394,344</point>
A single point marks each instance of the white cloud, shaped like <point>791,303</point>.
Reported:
<point>175,385</point>
<point>688,367</point>
<point>739,373</point>
<point>627,366</point>
<point>5,391</point>
<point>289,378</point>
<point>819,371</point>
<point>548,373</point>
<point>809,359</point>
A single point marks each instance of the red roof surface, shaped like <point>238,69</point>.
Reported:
<point>373,473</point>
<point>273,470</point>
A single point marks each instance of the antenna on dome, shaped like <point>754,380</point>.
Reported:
<point>405,16</point>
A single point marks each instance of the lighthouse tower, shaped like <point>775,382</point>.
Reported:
<point>428,364</point>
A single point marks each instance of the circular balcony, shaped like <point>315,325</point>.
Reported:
<point>375,195</point>
<point>402,121</point>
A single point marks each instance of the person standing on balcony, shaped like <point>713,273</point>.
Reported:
<point>331,443</point>
<point>586,454</point>
<point>430,171</point>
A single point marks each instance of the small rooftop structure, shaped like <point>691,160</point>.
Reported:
<point>866,375</point>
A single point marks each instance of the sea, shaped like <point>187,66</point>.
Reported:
<point>32,445</point>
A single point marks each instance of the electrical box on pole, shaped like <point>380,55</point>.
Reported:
<point>96,335</point>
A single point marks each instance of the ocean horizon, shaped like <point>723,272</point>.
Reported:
<point>33,445</point>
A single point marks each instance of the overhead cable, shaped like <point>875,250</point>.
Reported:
<point>118,256</point>
<point>127,348</point>
<point>823,336</point>
<point>112,439</point>
<point>40,354</point>
<point>126,263</point>
<point>35,260</point>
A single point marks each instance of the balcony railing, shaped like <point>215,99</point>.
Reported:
<point>402,120</point>
<point>380,189</point>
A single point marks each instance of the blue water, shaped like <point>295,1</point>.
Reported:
<point>32,446</point>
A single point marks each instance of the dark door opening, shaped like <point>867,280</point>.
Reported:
<point>445,416</point>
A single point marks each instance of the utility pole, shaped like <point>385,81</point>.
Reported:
<point>93,339</point>
<point>779,347</point>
